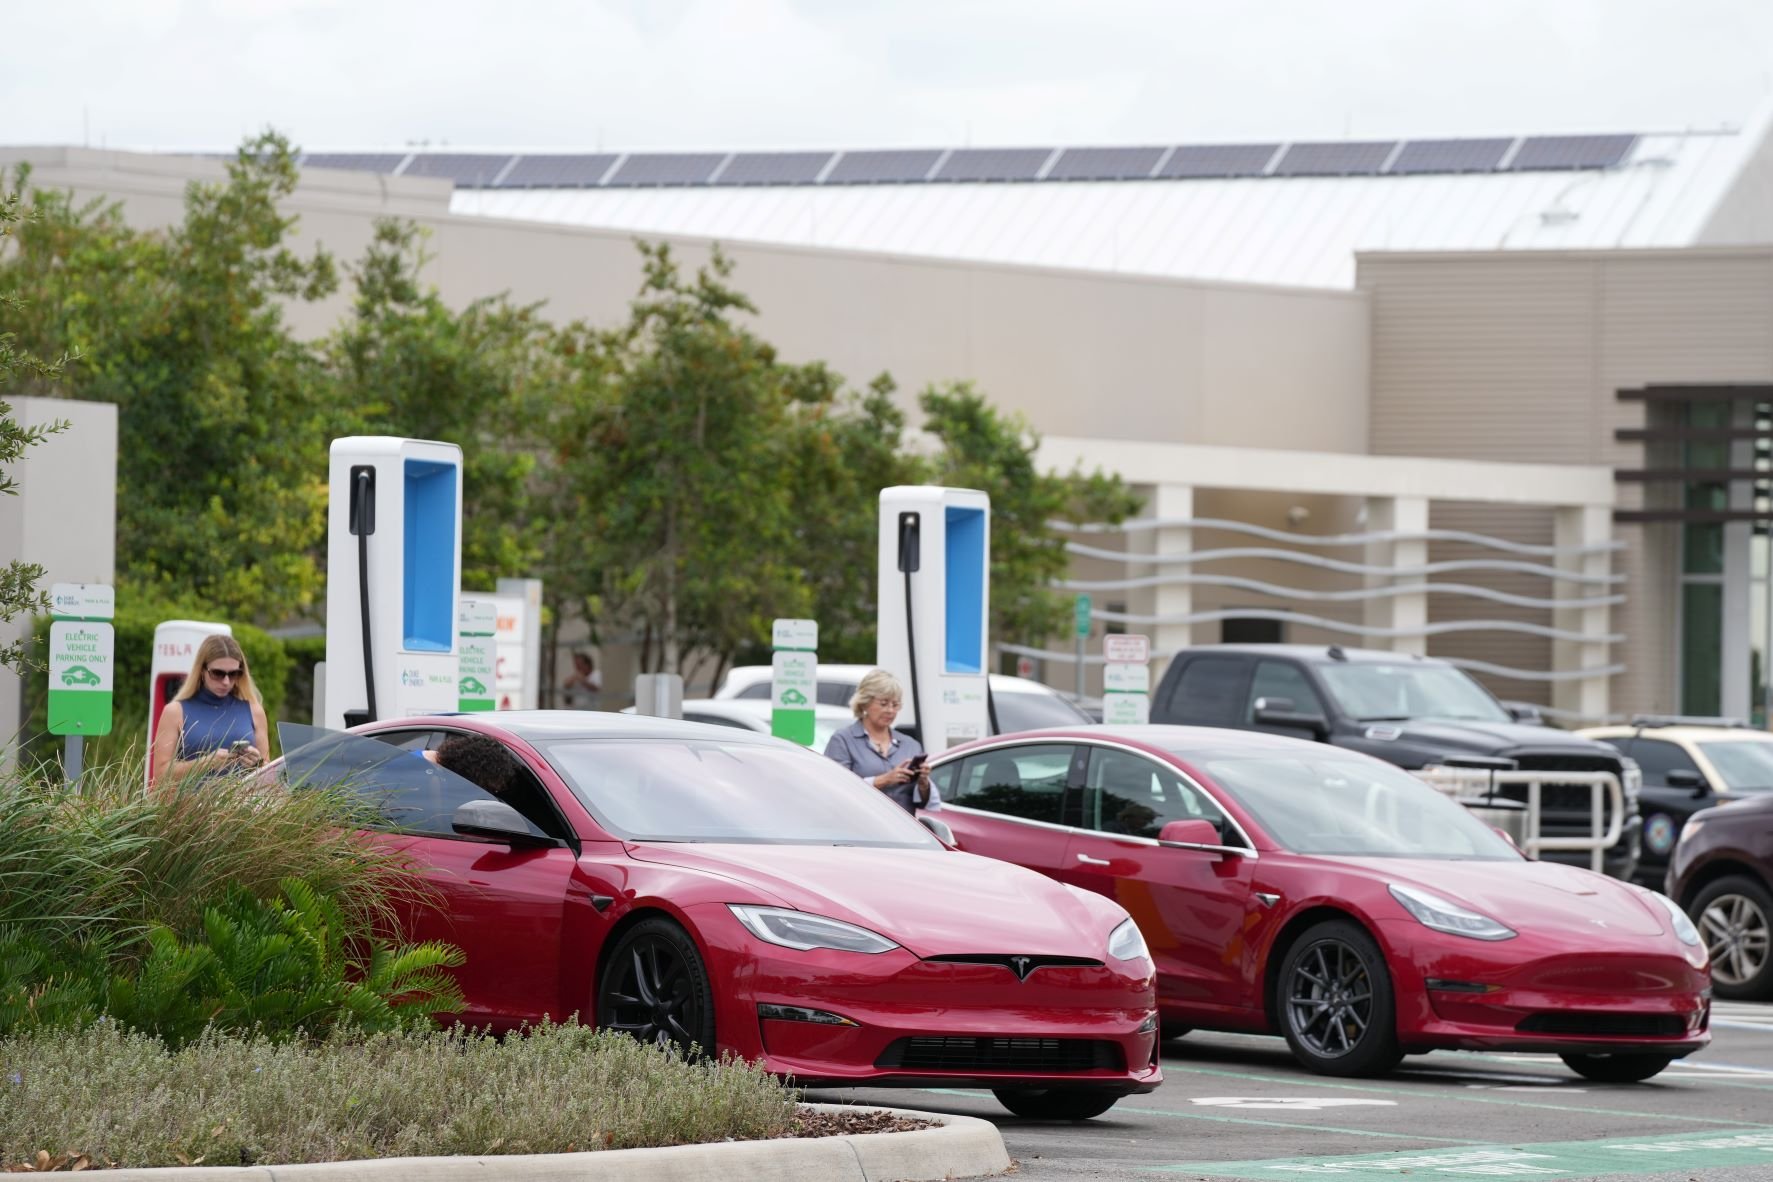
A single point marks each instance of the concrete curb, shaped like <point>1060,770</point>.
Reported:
<point>960,1147</point>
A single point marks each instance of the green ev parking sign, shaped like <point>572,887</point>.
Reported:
<point>81,641</point>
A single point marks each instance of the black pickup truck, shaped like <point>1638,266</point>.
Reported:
<point>1414,712</point>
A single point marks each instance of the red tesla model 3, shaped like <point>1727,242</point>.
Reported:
<point>1290,888</point>
<point>701,885</point>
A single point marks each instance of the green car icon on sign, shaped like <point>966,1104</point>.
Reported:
<point>79,675</point>
<point>471,687</point>
<point>793,697</point>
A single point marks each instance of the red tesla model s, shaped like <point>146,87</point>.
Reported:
<point>1290,888</point>
<point>701,885</point>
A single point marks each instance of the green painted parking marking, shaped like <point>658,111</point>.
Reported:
<point>1551,1159</point>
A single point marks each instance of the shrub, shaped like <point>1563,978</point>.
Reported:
<point>123,1098</point>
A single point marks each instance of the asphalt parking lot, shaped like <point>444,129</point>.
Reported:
<point>1237,1107</point>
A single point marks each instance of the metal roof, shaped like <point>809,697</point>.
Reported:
<point>1285,214</point>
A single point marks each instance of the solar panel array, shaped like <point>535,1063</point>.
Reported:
<point>909,166</point>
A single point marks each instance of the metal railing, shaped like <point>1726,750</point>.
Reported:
<point>1476,789</point>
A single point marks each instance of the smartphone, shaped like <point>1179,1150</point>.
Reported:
<point>239,746</point>
<point>917,762</point>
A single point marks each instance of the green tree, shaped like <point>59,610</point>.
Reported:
<point>18,578</point>
<point>995,453</point>
<point>223,415</point>
<point>408,365</point>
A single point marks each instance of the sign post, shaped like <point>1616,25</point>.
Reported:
<point>1126,680</point>
<point>1083,634</point>
<point>81,641</point>
<point>794,679</point>
<point>476,625</point>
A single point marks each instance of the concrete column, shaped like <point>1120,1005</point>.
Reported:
<point>1585,525</point>
<point>1169,502</point>
<point>1408,611</point>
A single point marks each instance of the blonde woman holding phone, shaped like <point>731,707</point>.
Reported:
<point>216,723</point>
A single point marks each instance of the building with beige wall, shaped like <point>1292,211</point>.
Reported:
<point>1372,392</point>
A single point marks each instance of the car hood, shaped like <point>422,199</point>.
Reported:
<point>933,902</point>
<point>1543,898</point>
<point>1491,738</point>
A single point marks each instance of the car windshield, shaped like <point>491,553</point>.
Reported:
<point>1392,693</point>
<point>1745,766</point>
<point>1021,711</point>
<point>718,791</point>
<point>1354,807</point>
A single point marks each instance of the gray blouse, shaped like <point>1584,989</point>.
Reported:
<point>851,747</point>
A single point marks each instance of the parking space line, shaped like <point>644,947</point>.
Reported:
<point>1465,1097</point>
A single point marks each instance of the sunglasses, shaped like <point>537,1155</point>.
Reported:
<point>225,674</point>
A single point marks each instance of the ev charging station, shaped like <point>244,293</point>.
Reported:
<point>394,573</point>
<point>935,605</point>
<point>175,647</point>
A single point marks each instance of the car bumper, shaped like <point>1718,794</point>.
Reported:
<point>1599,1000</point>
<point>894,1020</point>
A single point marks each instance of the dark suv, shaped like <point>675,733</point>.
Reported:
<point>1414,712</point>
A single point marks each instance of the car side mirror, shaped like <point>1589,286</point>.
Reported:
<point>943,833</point>
<point>1524,712</point>
<point>498,821</point>
<point>1194,834</point>
<point>1285,712</point>
<point>1688,778</point>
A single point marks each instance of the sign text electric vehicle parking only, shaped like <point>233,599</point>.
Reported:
<point>80,667</point>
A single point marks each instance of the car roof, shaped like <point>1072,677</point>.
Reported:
<point>544,725</point>
<point>1318,654</point>
<point>1680,734</point>
<point>758,708</point>
<point>1182,741</point>
<point>742,675</point>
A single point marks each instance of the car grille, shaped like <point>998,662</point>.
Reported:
<point>1620,1025</point>
<point>1564,809</point>
<point>1044,1055</point>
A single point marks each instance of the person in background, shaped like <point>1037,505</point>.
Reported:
<point>887,760</point>
<point>215,724</point>
<point>584,685</point>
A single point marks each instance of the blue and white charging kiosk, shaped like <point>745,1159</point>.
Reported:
<point>394,572</point>
<point>935,605</point>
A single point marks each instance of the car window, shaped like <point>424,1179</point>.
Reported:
<point>1745,766</point>
<point>1658,757</point>
<point>1282,679</point>
<point>401,790</point>
<point>1381,692</point>
<point>1133,794</point>
<point>716,720</point>
<point>757,689</point>
<point>1027,782</point>
<point>831,693</point>
<point>1209,692</point>
<point>1019,710</point>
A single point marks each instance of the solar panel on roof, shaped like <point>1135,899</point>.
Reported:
<point>773,168</point>
<point>355,161</point>
<point>1218,160</point>
<point>1104,164</point>
<point>888,167</point>
<point>469,170</point>
<point>665,168</point>
<point>1448,156</point>
<point>557,172</point>
<point>1343,159</point>
<point>1550,152</point>
<point>993,164</point>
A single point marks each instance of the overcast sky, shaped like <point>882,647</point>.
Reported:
<point>659,74</point>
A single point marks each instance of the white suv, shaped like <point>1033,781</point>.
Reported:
<point>1022,705</point>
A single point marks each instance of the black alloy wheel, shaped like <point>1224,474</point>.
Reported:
<point>655,987</point>
<point>1056,1103</point>
<point>1337,1010</point>
<point>1616,1068</point>
<point>1735,919</point>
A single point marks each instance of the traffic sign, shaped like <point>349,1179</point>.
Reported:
<point>477,648</point>
<point>800,635</point>
<point>1126,647</point>
<point>1124,677</point>
<point>80,677</point>
<point>82,601</point>
<point>1083,615</point>
<point>1124,709</point>
<point>794,687</point>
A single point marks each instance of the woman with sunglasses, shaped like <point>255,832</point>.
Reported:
<point>215,724</point>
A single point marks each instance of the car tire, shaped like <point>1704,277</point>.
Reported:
<point>1056,1103</point>
<point>1735,919</point>
<point>1171,1030</point>
<point>1616,1068</point>
<point>1335,1002</point>
<point>654,986</point>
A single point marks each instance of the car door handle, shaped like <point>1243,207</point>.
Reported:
<point>1089,861</point>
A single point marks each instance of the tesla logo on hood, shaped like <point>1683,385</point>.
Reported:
<point>1022,966</point>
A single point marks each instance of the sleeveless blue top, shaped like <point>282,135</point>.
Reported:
<point>213,721</point>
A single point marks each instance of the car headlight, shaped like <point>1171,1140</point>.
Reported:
<point>1690,830</point>
<point>1632,782</point>
<point>1432,911</point>
<point>1127,942</point>
<point>1684,930</point>
<point>797,929</point>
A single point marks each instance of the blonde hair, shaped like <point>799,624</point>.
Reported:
<point>214,648</point>
<point>876,685</point>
